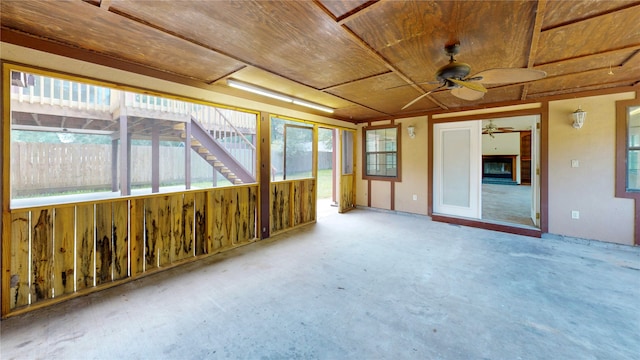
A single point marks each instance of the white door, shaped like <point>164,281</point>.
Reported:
<point>457,184</point>
<point>535,172</point>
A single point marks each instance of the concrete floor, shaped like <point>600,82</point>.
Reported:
<point>363,285</point>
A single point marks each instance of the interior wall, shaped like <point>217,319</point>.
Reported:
<point>590,187</point>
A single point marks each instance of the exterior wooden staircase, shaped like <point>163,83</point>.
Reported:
<point>210,150</point>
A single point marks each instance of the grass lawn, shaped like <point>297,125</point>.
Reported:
<point>324,184</point>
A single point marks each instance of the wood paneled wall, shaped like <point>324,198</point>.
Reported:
<point>64,250</point>
<point>347,193</point>
<point>293,203</point>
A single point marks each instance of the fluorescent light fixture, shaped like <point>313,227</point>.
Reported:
<point>258,90</point>
<point>313,105</point>
<point>272,94</point>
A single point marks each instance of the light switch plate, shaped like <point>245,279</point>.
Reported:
<point>575,163</point>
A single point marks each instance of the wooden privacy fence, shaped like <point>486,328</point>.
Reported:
<point>41,166</point>
<point>59,251</point>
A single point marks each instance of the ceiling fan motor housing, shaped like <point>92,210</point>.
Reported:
<point>455,70</point>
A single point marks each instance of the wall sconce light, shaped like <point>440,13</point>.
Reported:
<point>275,95</point>
<point>412,131</point>
<point>578,117</point>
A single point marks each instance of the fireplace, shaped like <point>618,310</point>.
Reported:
<point>499,169</point>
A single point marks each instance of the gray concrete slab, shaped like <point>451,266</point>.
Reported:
<point>363,285</point>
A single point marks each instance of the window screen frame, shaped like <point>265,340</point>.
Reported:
<point>397,152</point>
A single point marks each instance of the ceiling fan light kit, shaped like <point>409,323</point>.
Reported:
<point>454,77</point>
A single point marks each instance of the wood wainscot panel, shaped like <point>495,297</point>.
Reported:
<point>104,247</point>
<point>201,233</point>
<point>152,232</point>
<point>136,229</point>
<point>252,212</point>
<point>303,201</point>
<point>175,240</point>
<point>42,254</point>
<point>64,245</point>
<point>120,239</point>
<point>280,206</point>
<point>166,207</point>
<point>185,231</point>
<point>230,217</point>
<point>19,290</point>
<point>85,237</point>
<point>347,195</point>
<point>242,216</point>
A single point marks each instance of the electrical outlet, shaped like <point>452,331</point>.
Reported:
<point>575,214</point>
<point>575,163</point>
<point>415,197</point>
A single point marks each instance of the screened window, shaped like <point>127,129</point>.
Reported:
<point>71,141</point>
<point>382,157</point>
<point>291,149</point>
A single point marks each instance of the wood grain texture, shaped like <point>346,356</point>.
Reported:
<point>137,236</point>
<point>347,194</point>
<point>108,33</point>
<point>214,222</point>
<point>152,233</point>
<point>271,33</point>
<point>120,239</point>
<point>186,230</point>
<point>19,290</point>
<point>104,245</point>
<point>280,206</point>
<point>201,233</point>
<point>85,242</point>
<point>252,212</point>
<point>228,217</point>
<point>166,207</point>
<point>64,251</point>
<point>41,255</point>
<point>304,210</point>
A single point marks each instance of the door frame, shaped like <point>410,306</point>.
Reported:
<point>540,109</point>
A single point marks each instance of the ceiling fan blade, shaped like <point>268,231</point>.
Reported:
<point>510,75</point>
<point>418,83</point>
<point>466,93</point>
<point>421,96</point>
<point>469,85</point>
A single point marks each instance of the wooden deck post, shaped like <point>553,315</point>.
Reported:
<point>125,183</point>
<point>155,160</point>
<point>114,165</point>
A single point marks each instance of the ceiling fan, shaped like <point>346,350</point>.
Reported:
<point>491,129</point>
<point>453,76</point>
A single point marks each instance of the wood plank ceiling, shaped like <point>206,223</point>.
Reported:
<point>366,59</point>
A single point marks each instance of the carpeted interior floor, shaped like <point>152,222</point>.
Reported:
<point>507,203</point>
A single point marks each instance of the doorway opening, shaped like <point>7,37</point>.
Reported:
<point>327,193</point>
<point>509,159</point>
<point>488,170</point>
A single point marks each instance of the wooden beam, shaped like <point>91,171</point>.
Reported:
<point>105,4</point>
<point>598,54</point>
<point>535,38</point>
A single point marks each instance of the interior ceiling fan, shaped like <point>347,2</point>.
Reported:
<point>454,76</point>
<point>491,129</point>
